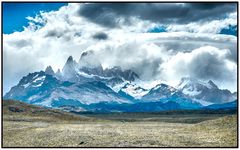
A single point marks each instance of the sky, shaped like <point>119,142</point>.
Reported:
<point>158,41</point>
<point>14,14</point>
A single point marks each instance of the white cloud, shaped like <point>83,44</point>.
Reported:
<point>213,26</point>
<point>64,33</point>
<point>205,63</point>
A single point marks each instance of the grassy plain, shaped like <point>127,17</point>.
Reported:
<point>30,126</point>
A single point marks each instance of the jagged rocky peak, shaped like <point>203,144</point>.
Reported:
<point>49,70</point>
<point>70,60</point>
<point>130,75</point>
<point>58,74</point>
<point>58,71</point>
<point>213,85</point>
<point>118,72</point>
<point>69,69</point>
<point>70,63</point>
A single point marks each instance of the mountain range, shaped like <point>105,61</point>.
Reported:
<point>86,86</point>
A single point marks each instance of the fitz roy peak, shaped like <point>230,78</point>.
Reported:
<point>86,86</point>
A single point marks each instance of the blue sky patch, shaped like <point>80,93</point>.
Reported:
<point>14,14</point>
<point>157,29</point>
<point>230,30</point>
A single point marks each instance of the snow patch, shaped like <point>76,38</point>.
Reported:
<point>191,81</point>
<point>40,84</point>
<point>118,87</point>
<point>35,76</point>
<point>40,78</point>
<point>202,102</point>
<point>148,85</point>
<point>26,85</point>
<point>191,92</point>
<point>32,97</point>
<point>135,91</point>
<point>45,103</point>
<point>92,75</point>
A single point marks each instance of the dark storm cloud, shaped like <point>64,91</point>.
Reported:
<point>151,68</point>
<point>205,5</point>
<point>105,14</point>
<point>100,36</point>
<point>208,66</point>
<point>110,14</point>
<point>233,55</point>
<point>174,46</point>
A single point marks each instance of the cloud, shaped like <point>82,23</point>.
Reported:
<point>112,15</point>
<point>212,26</point>
<point>69,32</point>
<point>54,33</point>
<point>106,15</point>
<point>17,62</point>
<point>132,55</point>
<point>100,36</point>
<point>20,43</point>
<point>204,63</point>
<point>170,56</point>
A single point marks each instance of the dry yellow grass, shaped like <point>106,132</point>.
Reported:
<point>214,133</point>
<point>50,128</point>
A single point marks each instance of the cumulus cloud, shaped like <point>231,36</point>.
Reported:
<point>170,56</point>
<point>205,63</point>
<point>50,38</point>
<point>144,59</point>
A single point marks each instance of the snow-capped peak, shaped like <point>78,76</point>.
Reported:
<point>134,90</point>
<point>69,69</point>
<point>193,87</point>
<point>194,83</point>
<point>204,91</point>
<point>164,86</point>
